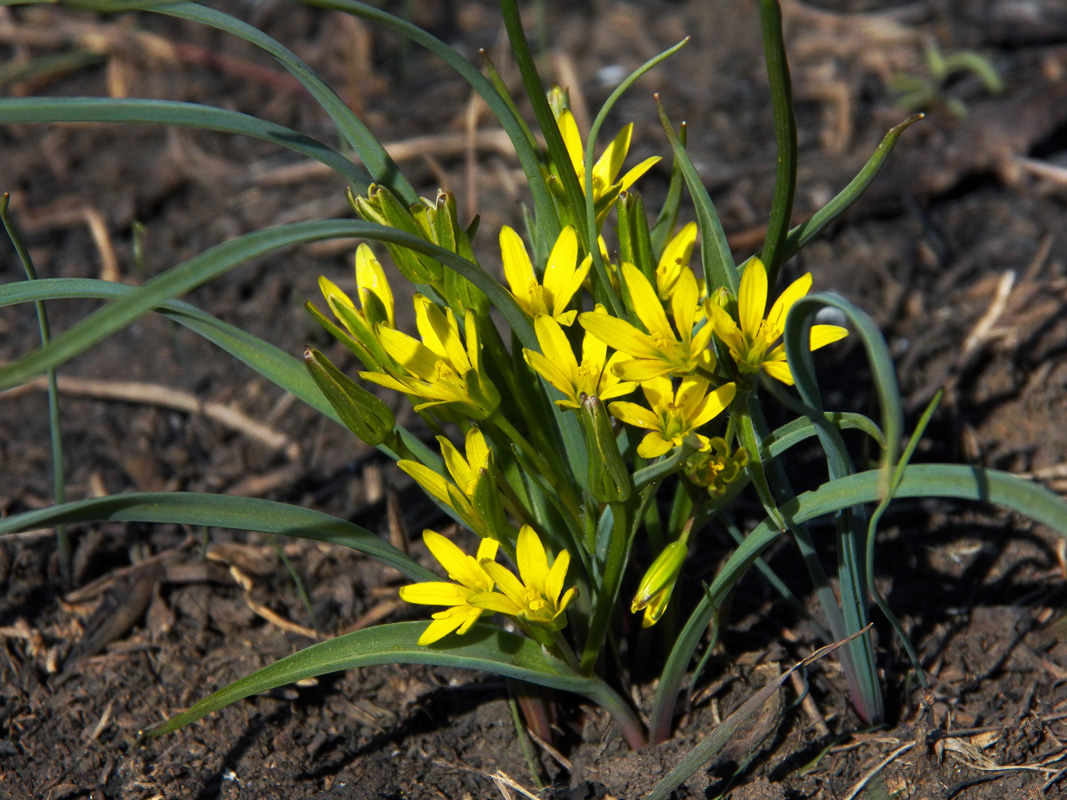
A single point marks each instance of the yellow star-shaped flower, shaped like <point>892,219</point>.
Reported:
<point>673,415</point>
<point>470,578</point>
<point>661,351</point>
<point>563,275</point>
<point>556,363</point>
<point>750,337</point>
<point>536,596</point>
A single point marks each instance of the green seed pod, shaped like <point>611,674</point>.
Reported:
<point>656,587</point>
<point>361,412</point>
<point>609,479</point>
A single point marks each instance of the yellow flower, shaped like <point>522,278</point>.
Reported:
<point>656,587</point>
<point>472,492</point>
<point>376,306</point>
<point>441,368</point>
<point>673,415</point>
<point>660,351</point>
<point>536,597</point>
<point>751,337</point>
<point>563,275</point>
<point>675,260</point>
<point>606,189</point>
<point>471,579</point>
<point>714,467</point>
<point>557,365</point>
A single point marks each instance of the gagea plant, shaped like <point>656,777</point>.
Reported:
<point>597,395</point>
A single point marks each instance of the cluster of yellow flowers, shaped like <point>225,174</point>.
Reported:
<point>666,348</point>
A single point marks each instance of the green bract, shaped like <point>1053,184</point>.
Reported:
<point>559,444</point>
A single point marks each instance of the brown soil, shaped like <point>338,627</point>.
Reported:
<point>959,254</point>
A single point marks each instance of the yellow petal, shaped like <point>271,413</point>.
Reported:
<point>780,309</point>
<point>653,445</point>
<point>752,297</point>
<point>550,371</point>
<point>779,370</point>
<point>659,392</point>
<point>557,575</point>
<point>506,581</point>
<point>639,370</point>
<point>684,304</point>
<point>370,277</point>
<point>435,593</point>
<point>714,404</point>
<point>610,161</point>
<point>478,452</point>
<point>631,177</point>
<point>633,414</point>
<point>518,269</point>
<point>620,334</point>
<point>560,269</point>
<point>459,565</point>
<point>433,482</point>
<point>572,140</point>
<point>646,303</point>
<point>444,622</point>
<point>494,601</point>
<point>822,335</point>
<point>409,352</point>
<point>679,249</point>
<point>531,559</point>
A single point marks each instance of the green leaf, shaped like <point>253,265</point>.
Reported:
<point>809,229</point>
<point>719,266</point>
<point>482,648</point>
<point>221,258</point>
<point>512,124</point>
<point>221,511</point>
<point>785,134</point>
<point>922,480</point>
<point>381,167</point>
<point>168,112</point>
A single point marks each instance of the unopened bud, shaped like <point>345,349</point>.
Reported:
<point>656,587</point>
<point>361,412</point>
<point>609,478</point>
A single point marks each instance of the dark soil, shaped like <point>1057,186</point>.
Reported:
<point>959,253</point>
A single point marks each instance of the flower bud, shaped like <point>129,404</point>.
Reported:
<point>361,412</point>
<point>714,467</point>
<point>656,587</point>
<point>381,206</point>
<point>609,479</point>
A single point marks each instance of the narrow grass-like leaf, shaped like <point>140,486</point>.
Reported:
<point>730,727</point>
<point>719,267</point>
<point>169,112</point>
<point>483,648</point>
<point>216,261</point>
<point>55,429</point>
<point>535,93</point>
<point>810,228</point>
<point>922,480</point>
<point>851,523</point>
<point>377,161</point>
<point>221,511</point>
<point>590,150</point>
<point>785,134</point>
<point>509,121</point>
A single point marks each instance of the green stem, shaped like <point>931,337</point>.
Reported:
<point>59,486</point>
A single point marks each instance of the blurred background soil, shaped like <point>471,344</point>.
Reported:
<point>959,252</point>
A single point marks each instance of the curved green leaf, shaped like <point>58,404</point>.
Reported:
<point>168,112</point>
<point>221,511</point>
<point>378,162</point>
<point>806,231</point>
<point>921,480</point>
<point>719,266</point>
<point>483,648</point>
<point>785,134</point>
<point>512,125</point>
<point>216,261</point>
